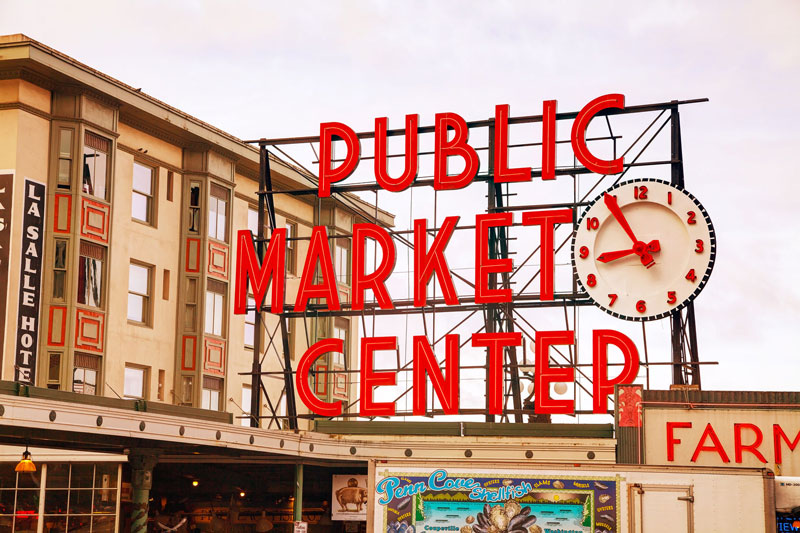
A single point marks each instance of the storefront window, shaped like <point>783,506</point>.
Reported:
<point>79,494</point>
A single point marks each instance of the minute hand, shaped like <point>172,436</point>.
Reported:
<point>611,204</point>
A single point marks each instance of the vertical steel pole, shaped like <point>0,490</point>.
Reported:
<point>255,382</point>
<point>680,370</point>
<point>298,492</point>
<point>288,376</point>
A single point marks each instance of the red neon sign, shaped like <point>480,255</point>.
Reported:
<point>318,279</point>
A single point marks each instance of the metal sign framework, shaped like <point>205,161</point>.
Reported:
<point>506,317</point>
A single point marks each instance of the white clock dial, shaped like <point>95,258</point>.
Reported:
<point>643,249</point>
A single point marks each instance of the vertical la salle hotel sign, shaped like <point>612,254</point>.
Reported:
<point>30,282</point>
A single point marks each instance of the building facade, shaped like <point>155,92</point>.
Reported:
<point>119,223</point>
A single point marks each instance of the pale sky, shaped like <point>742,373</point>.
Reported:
<point>268,69</point>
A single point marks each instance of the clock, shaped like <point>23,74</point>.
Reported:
<point>643,249</point>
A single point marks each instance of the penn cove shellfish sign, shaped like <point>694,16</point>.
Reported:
<point>495,502</point>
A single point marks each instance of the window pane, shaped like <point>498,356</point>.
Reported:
<point>64,166</point>
<point>8,477</point>
<point>54,369</point>
<point>55,524</point>
<point>90,273</point>
<point>30,480</point>
<point>27,501</point>
<point>105,475</point>
<point>249,334</point>
<point>252,221</point>
<point>206,399</point>
<point>105,501</point>
<point>103,524</point>
<point>26,524</point>
<point>140,207</point>
<point>82,475</point>
<point>215,400</point>
<point>7,502</point>
<point>138,279</point>
<point>55,501</point>
<point>79,524</point>
<point>94,172</point>
<point>217,314</point>
<point>135,307</point>
<point>221,219</point>
<point>60,259</point>
<point>142,179</point>
<point>58,475</point>
<point>80,501</point>
<point>134,382</point>
<point>65,143</point>
<point>212,217</point>
<point>209,312</point>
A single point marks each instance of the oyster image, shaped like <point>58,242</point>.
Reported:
<point>558,484</point>
<point>466,529</point>
<point>510,517</point>
<point>603,498</point>
<point>535,529</point>
<point>507,482</point>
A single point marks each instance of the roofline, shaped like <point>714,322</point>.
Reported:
<point>69,67</point>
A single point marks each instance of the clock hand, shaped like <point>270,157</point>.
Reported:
<point>641,249</point>
<point>613,206</point>
<point>611,256</point>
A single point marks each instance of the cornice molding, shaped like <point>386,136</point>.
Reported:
<point>27,108</point>
<point>158,133</point>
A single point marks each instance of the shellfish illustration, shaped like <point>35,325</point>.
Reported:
<point>558,484</point>
<point>510,517</point>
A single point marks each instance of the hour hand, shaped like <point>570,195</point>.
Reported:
<point>611,256</point>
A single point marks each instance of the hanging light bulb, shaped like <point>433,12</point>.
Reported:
<point>26,464</point>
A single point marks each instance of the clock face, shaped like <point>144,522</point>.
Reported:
<point>643,249</point>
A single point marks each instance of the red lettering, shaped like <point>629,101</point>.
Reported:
<point>716,445</point>
<point>496,343</point>
<point>503,174</point>
<point>425,364</point>
<point>371,379</point>
<point>601,338</point>
<point>270,272</point>
<point>595,164</point>
<point>427,261</point>
<point>545,374</point>
<point>549,140</point>
<point>671,440</point>
<point>738,447</point>
<point>547,220</point>
<point>375,280</point>
<point>304,391</point>
<point>318,251</point>
<point>328,175</point>
<point>410,172</point>
<point>483,265</point>
<point>777,432</point>
<point>456,147</point>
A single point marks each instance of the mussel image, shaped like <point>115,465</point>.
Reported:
<point>400,527</point>
<point>510,517</point>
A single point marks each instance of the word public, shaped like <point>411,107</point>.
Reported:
<point>318,280</point>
